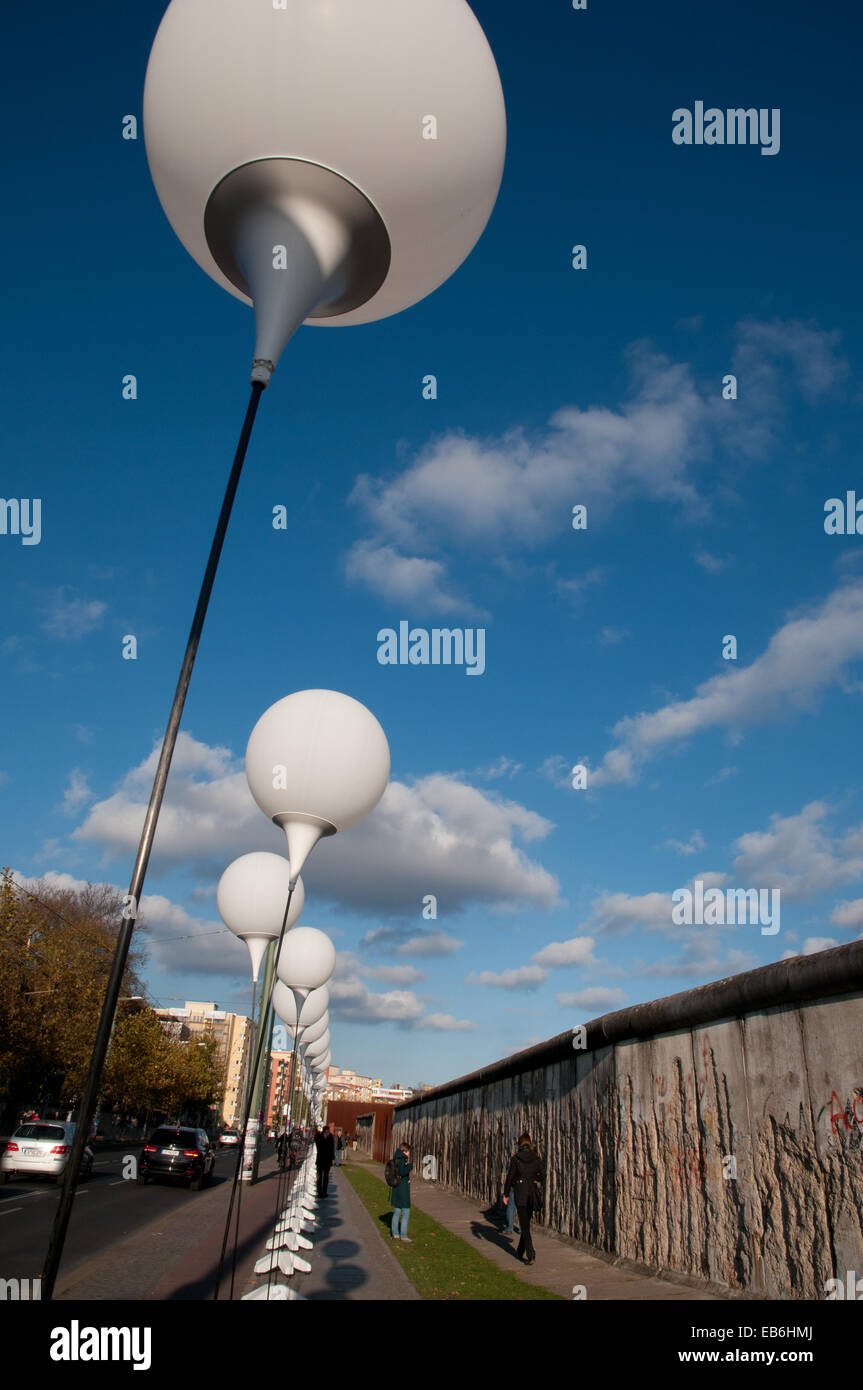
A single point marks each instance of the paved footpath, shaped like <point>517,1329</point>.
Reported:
<point>561,1264</point>
<point>351,1259</point>
<point>176,1256</point>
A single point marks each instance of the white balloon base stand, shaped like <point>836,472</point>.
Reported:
<point>287,1239</point>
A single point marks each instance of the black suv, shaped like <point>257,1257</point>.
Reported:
<point>177,1152</point>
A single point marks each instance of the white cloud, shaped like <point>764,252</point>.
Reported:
<point>352,1001</point>
<point>693,845</point>
<point>394,974</point>
<point>179,943</point>
<point>576,951</point>
<point>347,963</point>
<point>431,946</point>
<point>619,912</point>
<point>798,856</point>
<point>616,913</point>
<point>610,636</point>
<point>818,943</point>
<point>504,767</point>
<point>596,998</point>
<point>446,1023</point>
<point>709,562</point>
<point>441,835</point>
<point>848,914</point>
<point>407,579</point>
<point>525,977</point>
<point>558,770</point>
<point>513,493</point>
<point>809,653</point>
<point>71,618</point>
<point>591,579</point>
<point>810,352</point>
<point>77,792</point>
<point>722,776</point>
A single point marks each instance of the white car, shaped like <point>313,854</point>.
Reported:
<point>230,1136</point>
<point>41,1148</point>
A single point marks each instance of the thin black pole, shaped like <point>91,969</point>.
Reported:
<point>262,1033</point>
<point>87,1106</point>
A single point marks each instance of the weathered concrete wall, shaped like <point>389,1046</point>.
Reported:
<point>643,1136</point>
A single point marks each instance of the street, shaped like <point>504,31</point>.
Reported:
<point>107,1209</point>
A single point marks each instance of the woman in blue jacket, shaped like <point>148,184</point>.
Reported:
<point>400,1196</point>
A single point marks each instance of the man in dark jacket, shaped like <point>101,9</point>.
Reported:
<point>326,1152</point>
<point>525,1172</point>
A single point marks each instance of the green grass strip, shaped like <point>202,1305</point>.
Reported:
<point>440,1265</point>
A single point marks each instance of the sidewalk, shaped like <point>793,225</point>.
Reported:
<point>176,1255</point>
<point>350,1259</point>
<point>561,1264</point>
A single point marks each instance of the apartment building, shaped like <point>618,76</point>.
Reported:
<point>233,1035</point>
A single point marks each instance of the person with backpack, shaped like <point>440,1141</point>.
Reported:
<point>525,1176</point>
<point>397,1174</point>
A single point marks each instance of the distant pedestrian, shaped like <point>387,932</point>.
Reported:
<point>400,1196</point>
<point>525,1175</point>
<point>340,1145</point>
<point>326,1152</point>
<point>295,1139</point>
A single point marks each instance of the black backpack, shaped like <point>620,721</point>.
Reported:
<point>391,1172</point>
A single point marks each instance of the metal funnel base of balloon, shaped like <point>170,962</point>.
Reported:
<point>300,241</point>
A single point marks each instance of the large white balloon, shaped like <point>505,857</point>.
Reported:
<point>251,898</point>
<point>314,1006</point>
<point>307,959</point>
<point>400,99</point>
<point>317,762</point>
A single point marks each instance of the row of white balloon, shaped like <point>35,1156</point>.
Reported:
<point>317,762</point>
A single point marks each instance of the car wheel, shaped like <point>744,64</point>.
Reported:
<point>4,1177</point>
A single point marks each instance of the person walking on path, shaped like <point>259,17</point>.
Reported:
<point>340,1144</point>
<point>525,1174</point>
<point>326,1152</point>
<point>400,1196</point>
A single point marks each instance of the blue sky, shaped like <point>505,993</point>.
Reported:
<point>555,387</point>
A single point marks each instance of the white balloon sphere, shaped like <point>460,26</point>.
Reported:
<point>400,99</point>
<point>307,959</point>
<point>251,898</point>
<point>318,1048</point>
<point>317,762</point>
<point>313,1007</point>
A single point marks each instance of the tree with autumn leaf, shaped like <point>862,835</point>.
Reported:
<point>56,949</point>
